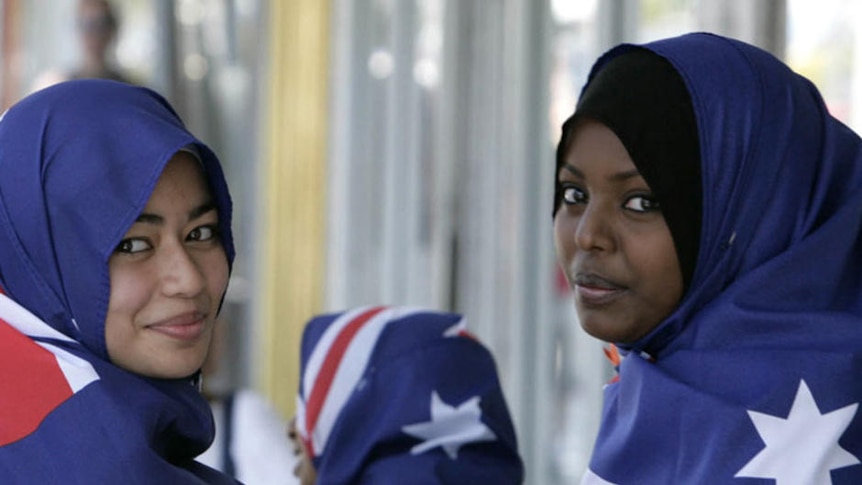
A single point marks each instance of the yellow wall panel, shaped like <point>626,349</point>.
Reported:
<point>295,107</point>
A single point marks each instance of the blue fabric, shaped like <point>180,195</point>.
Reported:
<point>414,357</point>
<point>78,162</point>
<point>776,297</point>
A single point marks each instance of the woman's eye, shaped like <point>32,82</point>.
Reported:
<point>573,195</point>
<point>640,203</point>
<point>203,233</point>
<point>132,246</point>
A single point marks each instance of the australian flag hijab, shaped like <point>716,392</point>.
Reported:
<point>755,378</point>
<point>78,162</point>
<point>395,395</point>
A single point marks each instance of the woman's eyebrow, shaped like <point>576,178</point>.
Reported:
<point>155,219</point>
<point>623,176</point>
<point>202,209</point>
<point>571,169</point>
<point>146,218</point>
<point>617,177</point>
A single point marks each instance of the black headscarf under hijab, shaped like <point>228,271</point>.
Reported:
<point>644,101</point>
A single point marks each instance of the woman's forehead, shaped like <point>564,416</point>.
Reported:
<point>595,152</point>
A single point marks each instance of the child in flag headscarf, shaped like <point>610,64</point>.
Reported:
<point>393,395</point>
<point>708,215</point>
<point>115,251</point>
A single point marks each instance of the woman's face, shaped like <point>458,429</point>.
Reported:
<point>168,276</point>
<point>612,240</point>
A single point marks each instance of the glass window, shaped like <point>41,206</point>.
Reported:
<point>824,44</point>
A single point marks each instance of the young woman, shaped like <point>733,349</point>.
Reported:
<point>393,395</point>
<point>115,251</point>
<point>708,215</point>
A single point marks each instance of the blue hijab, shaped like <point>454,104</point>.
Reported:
<point>755,376</point>
<point>78,162</point>
<point>394,395</point>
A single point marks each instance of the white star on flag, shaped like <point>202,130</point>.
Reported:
<point>802,448</point>
<point>450,427</point>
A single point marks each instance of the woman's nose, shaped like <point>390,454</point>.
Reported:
<point>181,273</point>
<point>593,231</point>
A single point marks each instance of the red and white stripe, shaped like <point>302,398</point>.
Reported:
<point>327,381</point>
<point>35,377</point>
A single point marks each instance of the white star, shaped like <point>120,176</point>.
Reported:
<point>450,428</point>
<point>803,447</point>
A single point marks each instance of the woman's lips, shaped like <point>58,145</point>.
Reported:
<point>593,290</point>
<point>183,327</point>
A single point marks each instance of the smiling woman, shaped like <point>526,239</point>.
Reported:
<point>167,278</point>
<point>116,249</point>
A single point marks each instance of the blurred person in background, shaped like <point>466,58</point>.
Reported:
<point>394,395</point>
<point>708,217</point>
<point>97,26</point>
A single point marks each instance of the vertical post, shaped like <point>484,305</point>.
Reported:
<point>293,186</point>
<point>760,23</point>
<point>9,71</point>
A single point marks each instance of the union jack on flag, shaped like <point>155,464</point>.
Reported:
<point>394,392</point>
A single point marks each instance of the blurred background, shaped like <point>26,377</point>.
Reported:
<point>401,152</point>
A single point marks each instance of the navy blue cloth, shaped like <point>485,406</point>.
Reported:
<point>398,395</point>
<point>773,318</point>
<point>78,162</point>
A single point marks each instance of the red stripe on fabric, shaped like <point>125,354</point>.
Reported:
<point>329,368</point>
<point>31,384</point>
